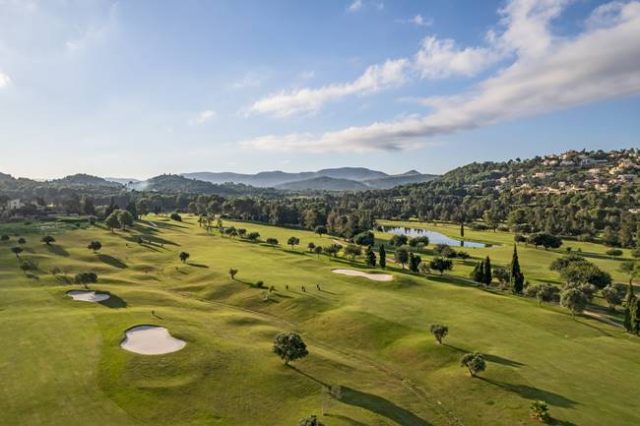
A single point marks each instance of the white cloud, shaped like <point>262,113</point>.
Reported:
<point>375,78</point>
<point>419,21</point>
<point>439,58</point>
<point>358,5</point>
<point>546,75</point>
<point>355,6</point>
<point>203,117</point>
<point>5,80</point>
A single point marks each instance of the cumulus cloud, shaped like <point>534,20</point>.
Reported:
<point>203,117</point>
<point>546,74</point>
<point>5,80</point>
<point>523,31</point>
<point>355,6</point>
<point>375,78</point>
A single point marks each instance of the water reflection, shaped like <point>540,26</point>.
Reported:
<point>434,237</point>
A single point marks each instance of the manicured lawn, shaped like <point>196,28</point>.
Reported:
<point>61,363</point>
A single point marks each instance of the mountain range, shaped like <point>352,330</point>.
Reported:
<point>335,179</point>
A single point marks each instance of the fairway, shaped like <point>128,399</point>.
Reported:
<point>61,361</point>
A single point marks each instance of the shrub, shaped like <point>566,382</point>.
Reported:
<point>272,241</point>
<point>175,216</point>
<point>48,239</point>
<point>539,410</point>
<point>614,252</point>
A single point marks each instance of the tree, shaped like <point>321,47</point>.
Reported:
<point>414,262</point>
<point>501,274</point>
<point>320,230</point>
<point>48,239</point>
<point>4,238</point>
<point>402,256</point>
<point>310,421</point>
<point>439,331</point>
<point>293,241</point>
<point>478,273</point>
<point>487,276</point>
<point>331,250</point>
<point>474,362</point>
<point>516,277</point>
<point>253,236</point>
<point>399,240</point>
<point>364,238</point>
<point>86,278</point>
<point>311,246</point>
<point>17,250</point>
<point>614,252</point>
<point>272,241</point>
<point>317,250</point>
<point>352,251</point>
<point>233,273</point>
<point>95,246</point>
<point>184,256</point>
<point>574,300</point>
<point>545,240</point>
<point>539,410</point>
<point>382,254</point>
<point>175,216</point>
<point>22,241</point>
<point>112,221</point>
<point>612,295</point>
<point>441,264</point>
<point>289,347</point>
<point>421,241</point>
<point>370,257</point>
<point>631,311</point>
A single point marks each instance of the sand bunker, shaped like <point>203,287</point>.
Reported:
<point>374,277</point>
<point>151,340</point>
<point>88,296</point>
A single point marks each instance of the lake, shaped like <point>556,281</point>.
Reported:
<point>434,237</point>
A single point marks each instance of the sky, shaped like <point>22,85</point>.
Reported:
<point>139,88</point>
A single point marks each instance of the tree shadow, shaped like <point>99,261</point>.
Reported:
<point>114,302</point>
<point>198,265</point>
<point>57,250</point>
<point>504,361</point>
<point>530,392</point>
<point>380,406</point>
<point>110,260</point>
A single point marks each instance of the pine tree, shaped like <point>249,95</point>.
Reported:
<point>487,275</point>
<point>383,256</point>
<point>516,277</point>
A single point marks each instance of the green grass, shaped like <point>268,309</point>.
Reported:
<point>61,363</point>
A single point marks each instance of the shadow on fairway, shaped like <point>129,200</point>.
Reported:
<point>381,406</point>
<point>533,393</point>
<point>114,302</point>
<point>110,260</point>
<point>198,265</point>
<point>489,357</point>
<point>57,250</point>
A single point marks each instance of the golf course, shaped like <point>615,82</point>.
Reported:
<point>161,340</point>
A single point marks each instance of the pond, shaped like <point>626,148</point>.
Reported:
<point>434,237</point>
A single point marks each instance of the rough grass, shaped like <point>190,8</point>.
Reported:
<point>61,362</point>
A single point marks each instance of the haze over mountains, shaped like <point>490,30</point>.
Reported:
<point>334,179</point>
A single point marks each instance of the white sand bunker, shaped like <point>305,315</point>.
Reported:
<point>368,275</point>
<point>88,296</point>
<point>151,340</point>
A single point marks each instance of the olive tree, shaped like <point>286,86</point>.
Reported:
<point>474,362</point>
<point>289,347</point>
<point>439,331</point>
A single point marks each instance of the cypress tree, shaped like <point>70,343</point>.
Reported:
<point>516,277</point>
<point>462,229</point>
<point>383,256</point>
<point>630,300</point>
<point>371,257</point>
<point>487,275</point>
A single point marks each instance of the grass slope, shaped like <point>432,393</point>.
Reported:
<point>61,363</point>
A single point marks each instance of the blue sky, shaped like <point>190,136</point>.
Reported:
<point>135,89</point>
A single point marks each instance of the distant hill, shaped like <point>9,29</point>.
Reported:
<point>392,181</point>
<point>82,179</point>
<point>123,181</point>
<point>323,183</point>
<point>176,183</point>
<point>359,178</point>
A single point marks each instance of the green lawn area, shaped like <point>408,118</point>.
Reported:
<point>61,363</point>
